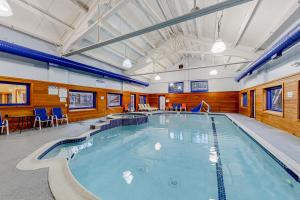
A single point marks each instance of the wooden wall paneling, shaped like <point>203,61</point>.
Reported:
<point>39,98</point>
<point>289,120</point>
<point>219,101</point>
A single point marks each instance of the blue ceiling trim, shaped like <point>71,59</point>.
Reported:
<point>64,63</point>
<point>286,42</point>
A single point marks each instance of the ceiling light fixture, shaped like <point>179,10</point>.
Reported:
<point>213,72</point>
<point>5,10</point>
<point>157,77</point>
<point>127,63</point>
<point>219,46</point>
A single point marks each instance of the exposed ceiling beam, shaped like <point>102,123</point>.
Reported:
<point>89,55</point>
<point>30,33</point>
<point>289,20</point>
<point>191,68</point>
<point>106,26</point>
<point>41,12</point>
<point>84,26</point>
<point>150,18</point>
<point>156,16</point>
<point>236,52</point>
<point>80,5</point>
<point>144,37</point>
<point>180,19</point>
<point>249,16</point>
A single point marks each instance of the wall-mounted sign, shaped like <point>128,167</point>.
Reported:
<point>199,86</point>
<point>63,92</point>
<point>52,90</point>
<point>290,94</point>
<point>63,100</point>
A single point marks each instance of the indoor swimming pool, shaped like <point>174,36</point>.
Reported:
<point>175,157</point>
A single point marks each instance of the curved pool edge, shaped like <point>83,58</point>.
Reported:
<point>285,161</point>
<point>59,172</point>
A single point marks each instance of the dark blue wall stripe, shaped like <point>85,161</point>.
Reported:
<point>219,170</point>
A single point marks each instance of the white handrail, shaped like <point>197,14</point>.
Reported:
<point>208,106</point>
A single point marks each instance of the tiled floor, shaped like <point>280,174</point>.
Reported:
<point>33,185</point>
<point>29,185</point>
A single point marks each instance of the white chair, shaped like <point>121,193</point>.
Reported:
<point>3,125</point>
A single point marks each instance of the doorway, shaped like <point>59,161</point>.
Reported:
<point>252,103</point>
<point>162,102</point>
<point>132,102</point>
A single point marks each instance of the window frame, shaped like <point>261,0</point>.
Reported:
<point>87,107</point>
<point>244,99</point>
<point>144,99</point>
<point>28,93</point>
<point>176,92</point>
<point>121,100</point>
<point>268,99</point>
<point>191,82</point>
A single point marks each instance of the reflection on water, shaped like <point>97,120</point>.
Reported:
<point>213,156</point>
<point>69,152</point>
<point>157,146</point>
<point>128,176</point>
<point>162,119</point>
<point>173,135</point>
<point>198,138</point>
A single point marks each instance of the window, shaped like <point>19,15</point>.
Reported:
<point>143,99</point>
<point>12,94</point>
<point>244,99</point>
<point>199,86</point>
<point>82,99</point>
<point>114,100</point>
<point>176,87</point>
<point>274,98</point>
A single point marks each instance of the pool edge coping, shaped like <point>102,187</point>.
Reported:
<point>59,172</point>
<point>282,157</point>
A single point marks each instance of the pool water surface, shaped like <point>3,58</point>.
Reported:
<point>179,157</point>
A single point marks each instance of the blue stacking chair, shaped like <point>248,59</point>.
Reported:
<point>41,116</point>
<point>59,116</point>
<point>4,124</point>
<point>174,106</point>
<point>178,107</point>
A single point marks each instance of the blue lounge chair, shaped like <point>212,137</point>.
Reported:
<point>4,124</point>
<point>59,116</point>
<point>42,116</point>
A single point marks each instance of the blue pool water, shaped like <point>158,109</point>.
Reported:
<point>179,157</point>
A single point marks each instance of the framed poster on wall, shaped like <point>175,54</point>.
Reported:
<point>199,86</point>
<point>176,87</point>
<point>82,99</point>
<point>114,100</point>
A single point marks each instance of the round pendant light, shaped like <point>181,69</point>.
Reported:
<point>127,63</point>
<point>157,77</point>
<point>218,47</point>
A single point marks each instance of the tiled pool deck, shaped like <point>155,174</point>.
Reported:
<point>27,185</point>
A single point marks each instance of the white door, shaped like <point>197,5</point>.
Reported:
<point>132,102</point>
<point>162,103</point>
